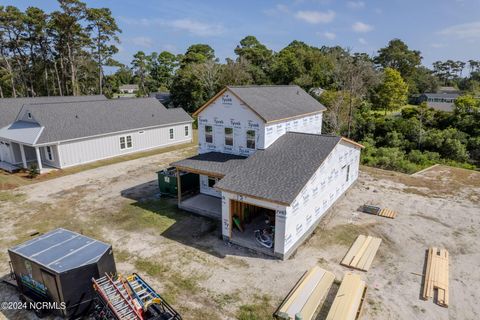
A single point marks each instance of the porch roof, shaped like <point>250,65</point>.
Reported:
<point>211,163</point>
<point>22,131</point>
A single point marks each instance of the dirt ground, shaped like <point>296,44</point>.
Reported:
<point>203,277</point>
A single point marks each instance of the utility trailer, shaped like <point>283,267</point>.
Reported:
<point>57,268</point>
<point>129,298</point>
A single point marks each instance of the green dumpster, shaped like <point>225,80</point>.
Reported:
<point>167,182</point>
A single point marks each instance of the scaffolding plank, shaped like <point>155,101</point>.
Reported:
<point>362,252</point>
<point>436,276</point>
<point>349,299</point>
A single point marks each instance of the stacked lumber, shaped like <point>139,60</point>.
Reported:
<point>349,299</point>
<point>306,296</point>
<point>387,213</point>
<point>436,276</point>
<point>362,252</point>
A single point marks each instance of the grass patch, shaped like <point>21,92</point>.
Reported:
<point>152,214</point>
<point>261,309</point>
<point>343,235</point>
<point>6,196</point>
<point>224,299</point>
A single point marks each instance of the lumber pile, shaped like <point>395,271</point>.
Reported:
<point>362,252</point>
<point>306,296</point>
<point>349,299</point>
<point>387,213</point>
<point>436,276</point>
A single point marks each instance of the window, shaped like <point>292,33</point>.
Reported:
<point>126,142</point>
<point>211,182</point>
<point>208,134</point>
<point>228,136</point>
<point>171,133</point>
<point>186,131</point>
<point>348,172</point>
<point>251,139</point>
<point>49,152</point>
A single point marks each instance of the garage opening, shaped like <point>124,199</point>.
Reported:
<point>252,226</point>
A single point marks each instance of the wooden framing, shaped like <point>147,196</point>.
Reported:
<point>307,295</point>
<point>349,300</point>
<point>179,186</point>
<point>361,254</point>
<point>436,276</point>
<point>353,142</point>
<point>387,213</point>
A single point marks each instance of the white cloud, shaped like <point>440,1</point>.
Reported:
<point>355,4</point>
<point>197,28</point>
<point>464,31</point>
<point>362,41</point>
<point>145,42</point>
<point>315,17</point>
<point>191,26</point>
<point>361,27</point>
<point>329,35</point>
<point>279,8</point>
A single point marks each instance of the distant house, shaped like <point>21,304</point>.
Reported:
<point>261,158</point>
<point>439,101</point>
<point>61,132</point>
<point>128,88</point>
<point>448,90</point>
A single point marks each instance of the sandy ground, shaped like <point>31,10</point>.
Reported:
<point>206,278</point>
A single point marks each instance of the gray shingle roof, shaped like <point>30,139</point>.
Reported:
<point>442,95</point>
<point>62,250</point>
<point>280,172</point>
<point>274,103</point>
<point>211,162</point>
<point>72,120</point>
<point>10,107</point>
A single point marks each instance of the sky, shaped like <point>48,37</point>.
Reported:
<point>440,29</point>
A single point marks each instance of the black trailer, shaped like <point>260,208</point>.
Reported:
<point>58,266</point>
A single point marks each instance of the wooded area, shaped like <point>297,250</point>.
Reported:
<point>65,51</point>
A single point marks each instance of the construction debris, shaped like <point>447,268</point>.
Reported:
<point>306,296</point>
<point>436,276</point>
<point>361,253</point>
<point>383,212</point>
<point>348,302</point>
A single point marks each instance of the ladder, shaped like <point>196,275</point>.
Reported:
<point>115,294</point>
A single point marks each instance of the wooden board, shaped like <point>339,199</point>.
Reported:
<point>349,299</point>
<point>361,254</point>
<point>387,213</point>
<point>307,295</point>
<point>436,276</point>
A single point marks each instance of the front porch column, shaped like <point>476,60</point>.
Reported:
<point>179,187</point>
<point>39,159</point>
<point>24,159</point>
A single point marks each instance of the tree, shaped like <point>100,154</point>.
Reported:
<point>392,93</point>
<point>198,53</point>
<point>398,56</point>
<point>422,80</point>
<point>140,64</point>
<point>104,30</point>
<point>258,57</point>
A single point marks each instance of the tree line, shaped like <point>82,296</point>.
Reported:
<point>64,52</point>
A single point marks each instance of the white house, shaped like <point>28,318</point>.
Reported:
<point>261,158</point>
<point>128,88</point>
<point>61,132</point>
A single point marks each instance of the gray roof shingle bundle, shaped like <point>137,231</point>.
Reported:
<point>72,120</point>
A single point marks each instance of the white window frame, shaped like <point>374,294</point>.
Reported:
<point>171,133</point>
<point>126,142</point>
<point>225,131</point>
<point>210,134</point>
<point>187,131</point>
<point>49,153</point>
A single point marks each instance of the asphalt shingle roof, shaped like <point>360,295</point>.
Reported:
<point>274,103</point>
<point>212,162</point>
<point>281,171</point>
<point>72,120</point>
<point>10,107</point>
<point>442,95</point>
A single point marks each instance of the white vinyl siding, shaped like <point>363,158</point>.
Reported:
<point>88,150</point>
